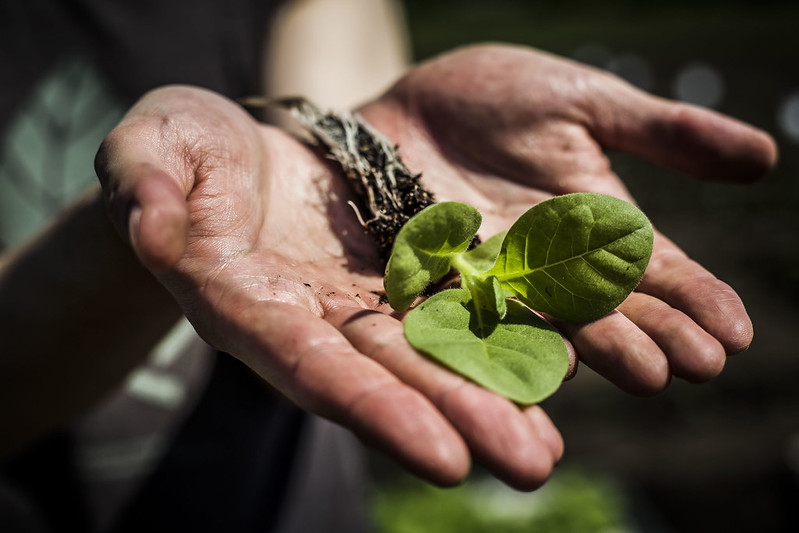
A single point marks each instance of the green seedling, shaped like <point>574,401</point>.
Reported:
<point>574,257</point>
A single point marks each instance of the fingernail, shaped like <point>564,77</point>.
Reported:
<point>134,221</point>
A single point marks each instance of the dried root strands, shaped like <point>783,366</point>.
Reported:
<point>389,193</point>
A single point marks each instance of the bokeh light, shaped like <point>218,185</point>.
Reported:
<point>700,84</point>
<point>788,116</point>
<point>633,68</point>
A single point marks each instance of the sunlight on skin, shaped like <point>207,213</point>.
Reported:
<point>237,222</point>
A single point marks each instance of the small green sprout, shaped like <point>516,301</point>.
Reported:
<point>574,257</point>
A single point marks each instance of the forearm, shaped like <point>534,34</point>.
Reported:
<point>337,53</point>
<point>77,313</point>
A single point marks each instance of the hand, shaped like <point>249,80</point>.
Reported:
<point>252,234</point>
<point>503,128</point>
<point>250,231</point>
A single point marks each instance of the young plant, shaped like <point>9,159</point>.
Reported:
<point>574,257</point>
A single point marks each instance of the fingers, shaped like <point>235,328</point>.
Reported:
<point>546,431</point>
<point>680,136</point>
<point>616,348</point>
<point>646,341</point>
<point>681,321</point>
<point>692,353</point>
<point>519,447</point>
<point>642,344</point>
<point>309,361</point>
<point>685,285</point>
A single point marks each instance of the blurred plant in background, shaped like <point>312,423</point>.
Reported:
<point>571,502</point>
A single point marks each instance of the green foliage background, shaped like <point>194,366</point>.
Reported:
<point>572,502</point>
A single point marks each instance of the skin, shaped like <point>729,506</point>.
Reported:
<point>250,232</point>
<point>104,313</point>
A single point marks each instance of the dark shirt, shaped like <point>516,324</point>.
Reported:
<point>137,45</point>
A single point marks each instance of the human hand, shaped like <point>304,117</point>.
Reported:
<point>252,234</point>
<point>250,231</point>
<point>503,128</point>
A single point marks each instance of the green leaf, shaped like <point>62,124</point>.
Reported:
<point>521,357</point>
<point>487,295</point>
<point>424,248</point>
<point>486,291</point>
<point>484,256</point>
<point>575,257</point>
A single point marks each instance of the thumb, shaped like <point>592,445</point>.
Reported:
<point>684,137</point>
<point>149,208</point>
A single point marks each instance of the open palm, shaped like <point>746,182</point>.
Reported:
<point>503,128</point>
<point>251,232</point>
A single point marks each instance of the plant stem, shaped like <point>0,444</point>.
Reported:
<point>465,268</point>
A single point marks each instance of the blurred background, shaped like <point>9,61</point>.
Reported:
<point>721,456</point>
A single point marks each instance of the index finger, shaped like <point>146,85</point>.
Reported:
<point>310,362</point>
<point>684,137</point>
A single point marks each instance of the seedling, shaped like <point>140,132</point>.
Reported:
<point>574,257</point>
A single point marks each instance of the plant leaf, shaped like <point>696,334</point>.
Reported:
<point>484,256</point>
<point>487,295</point>
<point>521,357</point>
<point>424,248</point>
<point>575,257</point>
